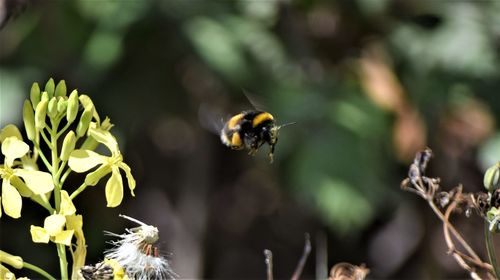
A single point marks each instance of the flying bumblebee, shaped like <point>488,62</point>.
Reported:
<point>250,130</point>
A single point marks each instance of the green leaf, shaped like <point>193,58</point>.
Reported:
<point>114,188</point>
<point>83,160</point>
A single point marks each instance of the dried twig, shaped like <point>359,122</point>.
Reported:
<point>303,259</point>
<point>269,263</point>
<point>427,188</point>
<point>459,256</point>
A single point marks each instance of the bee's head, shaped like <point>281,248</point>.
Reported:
<point>274,130</point>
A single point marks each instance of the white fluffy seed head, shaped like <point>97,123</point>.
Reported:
<point>135,252</point>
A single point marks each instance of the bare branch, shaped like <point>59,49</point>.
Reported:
<point>269,263</point>
<point>303,259</point>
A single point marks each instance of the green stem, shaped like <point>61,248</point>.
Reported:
<point>59,172</point>
<point>38,270</point>
<point>61,249</point>
<point>491,250</point>
<point>42,200</point>
<point>47,141</point>
<point>42,156</point>
<point>63,130</point>
<point>80,189</point>
<point>63,263</point>
<point>64,176</point>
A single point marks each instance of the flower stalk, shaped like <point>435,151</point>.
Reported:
<point>50,116</point>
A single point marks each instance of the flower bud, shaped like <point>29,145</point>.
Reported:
<point>491,178</point>
<point>29,119</point>
<point>49,87</point>
<point>40,114</point>
<point>14,261</point>
<point>35,95</point>
<point>62,105</point>
<point>52,108</point>
<point>72,109</point>
<point>84,123</point>
<point>44,96</point>
<point>87,103</point>
<point>60,89</point>
<point>68,145</point>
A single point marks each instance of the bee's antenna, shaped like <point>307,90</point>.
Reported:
<point>286,124</point>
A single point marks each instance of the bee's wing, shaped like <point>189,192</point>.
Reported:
<point>211,119</point>
<point>254,100</point>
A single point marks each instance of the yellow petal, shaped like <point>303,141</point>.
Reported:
<point>54,224</point>
<point>67,206</point>
<point>114,188</point>
<point>104,137</point>
<point>130,178</point>
<point>11,202</point>
<point>8,131</point>
<point>39,234</point>
<point>83,160</point>
<point>20,186</point>
<point>93,177</point>
<point>37,181</point>
<point>118,271</point>
<point>74,222</point>
<point>13,148</point>
<point>79,251</point>
<point>64,237</point>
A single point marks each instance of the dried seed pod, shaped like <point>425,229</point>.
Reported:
<point>482,203</point>
<point>422,159</point>
<point>347,271</point>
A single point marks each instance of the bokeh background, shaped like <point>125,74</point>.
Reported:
<point>369,83</point>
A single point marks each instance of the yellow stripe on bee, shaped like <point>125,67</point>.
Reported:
<point>236,142</point>
<point>260,118</point>
<point>233,122</point>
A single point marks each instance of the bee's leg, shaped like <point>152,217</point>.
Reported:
<point>271,153</point>
<point>252,151</point>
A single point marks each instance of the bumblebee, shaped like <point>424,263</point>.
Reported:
<point>250,130</point>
